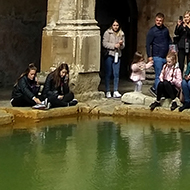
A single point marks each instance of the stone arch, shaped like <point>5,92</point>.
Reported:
<point>126,12</point>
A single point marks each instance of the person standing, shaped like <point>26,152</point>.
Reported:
<point>113,42</point>
<point>182,31</point>
<point>138,67</point>
<point>157,47</point>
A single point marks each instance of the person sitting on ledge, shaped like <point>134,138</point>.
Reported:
<point>170,82</point>
<point>185,85</point>
<point>25,90</point>
<point>56,88</point>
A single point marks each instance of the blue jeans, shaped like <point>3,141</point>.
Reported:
<point>158,64</point>
<point>111,67</point>
<point>186,90</point>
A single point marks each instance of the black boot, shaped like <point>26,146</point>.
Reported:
<point>153,105</point>
<point>186,105</point>
<point>174,106</point>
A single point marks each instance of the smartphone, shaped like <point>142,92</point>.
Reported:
<point>181,18</point>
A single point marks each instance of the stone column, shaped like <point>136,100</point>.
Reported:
<point>72,36</point>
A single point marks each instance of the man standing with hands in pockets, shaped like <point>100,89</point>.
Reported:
<point>157,47</point>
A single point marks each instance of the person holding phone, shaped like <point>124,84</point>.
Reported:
<point>182,30</point>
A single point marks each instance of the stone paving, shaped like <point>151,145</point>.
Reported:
<point>131,104</point>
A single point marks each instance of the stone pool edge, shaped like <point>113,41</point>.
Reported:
<point>99,107</point>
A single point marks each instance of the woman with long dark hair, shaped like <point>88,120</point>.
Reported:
<point>56,88</point>
<point>113,42</point>
<point>25,90</point>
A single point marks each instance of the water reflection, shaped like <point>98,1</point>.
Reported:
<point>96,154</point>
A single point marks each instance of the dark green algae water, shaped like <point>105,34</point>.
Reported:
<point>93,154</point>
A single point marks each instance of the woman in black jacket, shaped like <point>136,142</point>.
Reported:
<point>182,31</point>
<point>56,88</point>
<point>25,90</point>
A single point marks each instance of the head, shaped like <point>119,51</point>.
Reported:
<point>171,58</point>
<point>186,17</point>
<point>138,56</point>
<point>159,20</point>
<point>60,72</point>
<point>30,72</point>
<point>115,25</point>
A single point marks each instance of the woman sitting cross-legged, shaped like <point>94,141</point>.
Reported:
<point>185,85</point>
<point>56,88</point>
<point>170,82</point>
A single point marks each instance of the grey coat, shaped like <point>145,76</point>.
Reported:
<point>110,39</point>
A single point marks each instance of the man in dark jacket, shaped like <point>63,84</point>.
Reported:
<point>157,46</point>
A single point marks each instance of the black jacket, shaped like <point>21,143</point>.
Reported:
<point>50,89</point>
<point>157,41</point>
<point>25,87</point>
<point>182,34</point>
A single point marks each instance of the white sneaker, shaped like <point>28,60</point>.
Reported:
<point>108,94</point>
<point>116,94</point>
<point>39,106</point>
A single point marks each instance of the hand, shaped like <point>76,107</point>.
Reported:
<point>187,77</point>
<point>141,67</point>
<point>121,42</point>
<point>37,100</point>
<point>60,97</point>
<point>117,46</point>
<point>150,59</point>
<point>179,22</point>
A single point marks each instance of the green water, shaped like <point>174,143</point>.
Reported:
<point>95,154</point>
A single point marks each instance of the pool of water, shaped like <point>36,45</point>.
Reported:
<point>93,154</point>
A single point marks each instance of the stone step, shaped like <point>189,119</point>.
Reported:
<point>151,77</point>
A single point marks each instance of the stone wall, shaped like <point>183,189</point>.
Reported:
<point>147,10</point>
<point>22,23</point>
<point>20,37</point>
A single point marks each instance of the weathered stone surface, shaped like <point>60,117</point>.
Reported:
<point>135,98</point>
<point>91,95</point>
<point>102,107</point>
<point>6,118</point>
<point>35,114</point>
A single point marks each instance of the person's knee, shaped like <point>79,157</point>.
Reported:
<point>161,84</point>
<point>188,83</point>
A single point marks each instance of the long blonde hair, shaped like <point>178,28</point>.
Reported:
<point>186,12</point>
<point>172,56</point>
